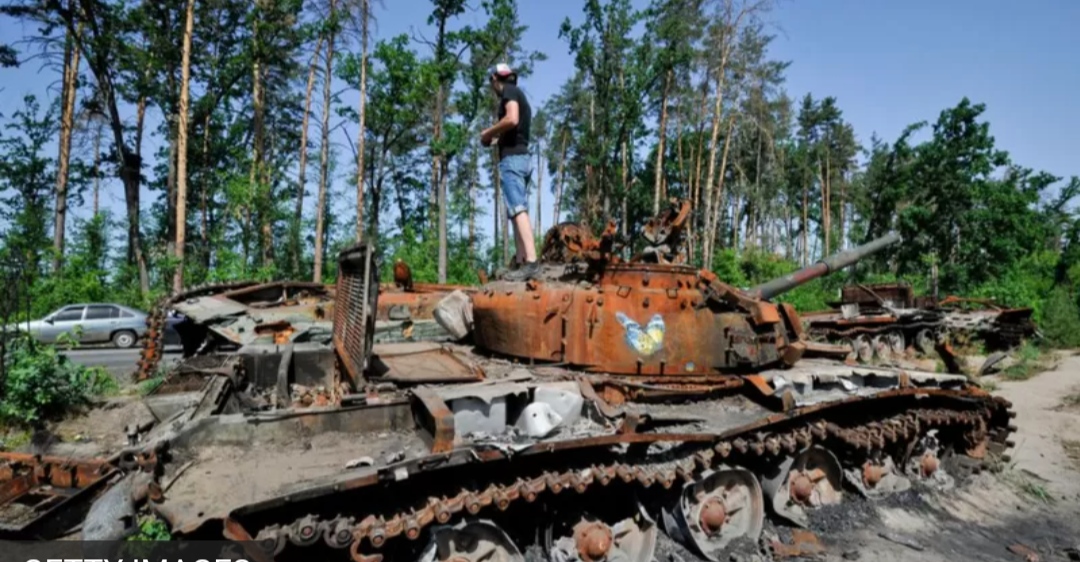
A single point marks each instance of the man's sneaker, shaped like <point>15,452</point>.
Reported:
<point>530,270</point>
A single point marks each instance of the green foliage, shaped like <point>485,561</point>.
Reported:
<point>151,529</point>
<point>42,384</point>
<point>1060,318</point>
<point>27,178</point>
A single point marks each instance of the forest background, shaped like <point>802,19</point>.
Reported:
<point>177,143</point>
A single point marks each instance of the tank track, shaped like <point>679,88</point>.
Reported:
<point>153,343</point>
<point>974,425</point>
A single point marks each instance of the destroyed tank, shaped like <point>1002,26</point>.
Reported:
<point>884,320</point>
<point>581,415</point>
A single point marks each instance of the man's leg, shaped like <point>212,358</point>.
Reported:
<point>519,249</point>
<point>514,172</point>
<point>524,234</point>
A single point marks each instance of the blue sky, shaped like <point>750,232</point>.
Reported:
<point>888,63</point>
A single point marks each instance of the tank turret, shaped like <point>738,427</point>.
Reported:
<point>827,265</point>
<point>650,315</point>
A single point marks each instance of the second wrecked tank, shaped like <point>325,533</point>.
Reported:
<point>575,425</point>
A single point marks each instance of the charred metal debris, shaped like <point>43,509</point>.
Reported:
<point>582,413</point>
<point>887,320</point>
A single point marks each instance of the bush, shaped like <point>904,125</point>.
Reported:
<point>1061,318</point>
<point>42,384</point>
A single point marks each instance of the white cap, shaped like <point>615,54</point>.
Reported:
<point>503,69</point>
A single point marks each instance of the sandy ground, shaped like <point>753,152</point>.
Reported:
<point>1032,506</point>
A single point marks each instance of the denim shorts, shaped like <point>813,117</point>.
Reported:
<point>515,172</point>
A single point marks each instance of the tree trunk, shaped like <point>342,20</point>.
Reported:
<point>697,152</point>
<point>181,146</point>
<point>825,206</point>
<point>262,200</point>
<point>661,136</point>
<point>97,168</point>
<point>625,182</point>
<point>170,188</point>
<point>539,187</point>
<point>324,154</point>
<point>718,204</point>
<point>364,16</point>
<point>710,199</point>
<point>805,225</point>
<point>131,181</point>
<point>790,233</point>
<point>562,177</point>
<point>474,179</point>
<point>204,196</point>
<point>67,124</point>
<point>301,178</point>
<point>437,165</point>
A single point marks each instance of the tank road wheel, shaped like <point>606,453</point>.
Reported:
<point>896,343</point>
<point>719,508</point>
<point>584,537</point>
<point>863,350</point>
<point>853,352</point>
<point>877,477</point>
<point>807,481</point>
<point>882,351</point>
<point>470,541</point>
<point>925,341</point>
<point>925,464</point>
<point>272,539</point>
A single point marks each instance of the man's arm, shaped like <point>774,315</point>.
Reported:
<point>508,122</point>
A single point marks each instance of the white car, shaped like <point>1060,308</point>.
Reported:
<point>99,322</point>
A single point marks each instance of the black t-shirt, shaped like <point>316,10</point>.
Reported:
<point>516,140</point>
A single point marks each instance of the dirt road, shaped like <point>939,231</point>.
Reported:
<point>1033,505</point>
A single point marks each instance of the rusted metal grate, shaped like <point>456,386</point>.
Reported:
<point>354,309</point>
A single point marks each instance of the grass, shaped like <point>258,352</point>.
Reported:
<point>14,439</point>
<point>988,386</point>
<point>1026,485</point>
<point>1030,361</point>
<point>147,386</point>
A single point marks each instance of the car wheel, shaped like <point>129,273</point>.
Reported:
<point>123,340</point>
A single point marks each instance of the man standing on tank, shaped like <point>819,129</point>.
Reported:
<point>512,134</point>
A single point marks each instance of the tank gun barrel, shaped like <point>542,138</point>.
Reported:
<point>827,265</point>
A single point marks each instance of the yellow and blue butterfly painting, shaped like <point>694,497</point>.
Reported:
<point>647,340</point>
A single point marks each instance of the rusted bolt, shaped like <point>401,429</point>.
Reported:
<point>593,541</point>
<point>645,281</point>
<point>589,299</point>
<point>801,488</point>
<point>872,474</point>
<point>600,301</point>
<point>929,465</point>
<point>713,515</point>
<point>645,303</point>
<point>412,530</point>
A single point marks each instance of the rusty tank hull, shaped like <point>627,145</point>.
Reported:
<point>637,319</point>
<point>551,431</point>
